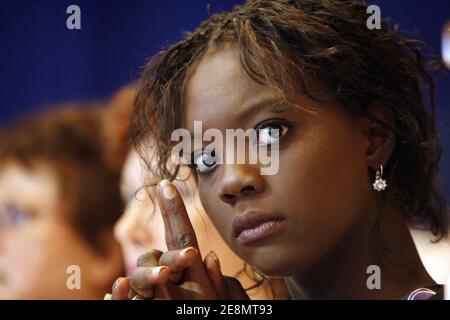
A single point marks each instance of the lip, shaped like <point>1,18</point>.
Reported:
<point>252,226</point>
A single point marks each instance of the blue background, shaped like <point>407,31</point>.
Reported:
<point>44,63</point>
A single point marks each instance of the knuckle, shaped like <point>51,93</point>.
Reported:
<point>174,208</point>
<point>148,279</point>
<point>184,240</point>
<point>141,280</point>
<point>149,258</point>
<point>134,283</point>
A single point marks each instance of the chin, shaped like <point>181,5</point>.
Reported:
<point>276,270</point>
<point>278,263</point>
<point>271,264</point>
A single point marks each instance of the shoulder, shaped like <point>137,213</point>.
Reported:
<point>433,292</point>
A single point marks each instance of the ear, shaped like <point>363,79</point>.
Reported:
<point>106,263</point>
<point>381,140</point>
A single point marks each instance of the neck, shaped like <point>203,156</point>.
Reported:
<point>344,273</point>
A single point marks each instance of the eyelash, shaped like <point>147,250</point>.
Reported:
<point>275,123</point>
<point>260,126</point>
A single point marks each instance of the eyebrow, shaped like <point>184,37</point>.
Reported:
<point>276,106</point>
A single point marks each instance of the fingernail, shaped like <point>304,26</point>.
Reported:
<point>156,271</point>
<point>214,256</point>
<point>188,251</point>
<point>116,282</point>
<point>108,296</point>
<point>167,188</point>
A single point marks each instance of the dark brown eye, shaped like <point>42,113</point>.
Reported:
<point>205,161</point>
<point>271,131</point>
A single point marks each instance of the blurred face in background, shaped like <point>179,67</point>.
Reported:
<point>141,227</point>
<point>38,243</point>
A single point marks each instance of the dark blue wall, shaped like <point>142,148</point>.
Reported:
<point>42,62</point>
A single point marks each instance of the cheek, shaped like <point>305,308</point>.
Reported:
<point>37,257</point>
<point>217,211</point>
<point>140,228</point>
<point>329,190</point>
<point>331,174</point>
<point>23,258</point>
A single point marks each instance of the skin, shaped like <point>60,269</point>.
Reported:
<point>322,190</point>
<point>141,226</point>
<point>34,254</point>
<point>435,256</point>
<point>132,229</point>
<point>179,273</point>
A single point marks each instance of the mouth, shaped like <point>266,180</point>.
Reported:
<point>252,226</point>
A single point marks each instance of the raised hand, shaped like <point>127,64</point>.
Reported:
<point>180,273</point>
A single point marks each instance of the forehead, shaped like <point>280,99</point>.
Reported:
<point>28,187</point>
<point>218,89</point>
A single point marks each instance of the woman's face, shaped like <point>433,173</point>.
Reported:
<point>37,245</point>
<point>281,224</point>
<point>141,226</point>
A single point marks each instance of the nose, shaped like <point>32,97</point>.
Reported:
<point>239,181</point>
<point>129,230</point>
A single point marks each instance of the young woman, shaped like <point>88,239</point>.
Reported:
<point>141,228</point>
<point>58,206</point>
<point>358,153</point>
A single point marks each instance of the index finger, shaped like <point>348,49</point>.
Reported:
<point>178,228</point>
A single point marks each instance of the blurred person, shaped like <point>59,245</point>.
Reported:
<point>141,227</point>
<point>114,127</point>
<point>58,205</point>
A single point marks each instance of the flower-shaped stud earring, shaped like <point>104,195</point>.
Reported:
<point>379,184</point>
